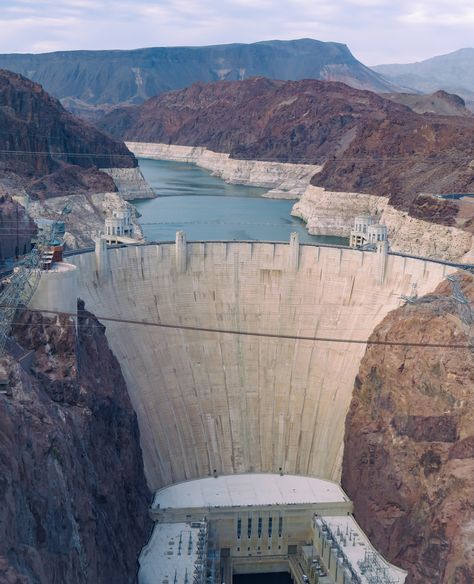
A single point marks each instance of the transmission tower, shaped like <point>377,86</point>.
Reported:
<point>24,280</point>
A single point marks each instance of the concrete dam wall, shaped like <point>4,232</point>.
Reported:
<point>209,401</point>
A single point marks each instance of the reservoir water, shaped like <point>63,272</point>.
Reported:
<point>207,208</point>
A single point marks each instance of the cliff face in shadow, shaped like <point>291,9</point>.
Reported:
<point>73,498</point>
<point>16,228</point>
<point>409,444</point>
<point>52,151</point>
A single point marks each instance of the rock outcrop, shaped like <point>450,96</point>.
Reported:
<point>409,442</point>
<point>332,213</point>
<point>440,102</point>
<point>130,183</point>
<point>51,151</point>
<point>16,228</point>
<point>73,498</point>
<point>86,218</point>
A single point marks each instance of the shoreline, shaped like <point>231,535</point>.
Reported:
<point>283,177</point>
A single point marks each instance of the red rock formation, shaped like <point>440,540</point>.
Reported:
<point>73,499</point>
<point>409,443</point>
<point>368,144</point>
<point>41,140</point>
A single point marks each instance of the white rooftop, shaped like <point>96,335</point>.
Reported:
<point>354,543</point>
<point>248,489</point>
<point>170,555</point>
<point>62,267</point>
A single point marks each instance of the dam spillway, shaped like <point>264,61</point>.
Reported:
<point>211,402</point>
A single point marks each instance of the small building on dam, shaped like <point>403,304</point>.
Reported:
<point>240,360</point>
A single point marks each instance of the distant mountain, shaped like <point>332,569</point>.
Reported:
<point>87,81</point>
<point>367,143</point>
<point>440,102</point>
<point>453,72</point>
<point>46,149</point>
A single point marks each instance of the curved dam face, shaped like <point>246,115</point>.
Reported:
<point>227,403</point>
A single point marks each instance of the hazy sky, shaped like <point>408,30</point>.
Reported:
<point>377,31</point>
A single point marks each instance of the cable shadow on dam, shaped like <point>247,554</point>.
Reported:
<point>209,402</point>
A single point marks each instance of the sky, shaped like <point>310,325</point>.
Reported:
<point>376,31</point>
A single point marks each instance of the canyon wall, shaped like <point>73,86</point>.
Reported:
<point>208,400</point>
<point>73,498</point>
<point>409,442</point>
<point>16,228</point>
<point>53,152</point>
<point>332,213</point>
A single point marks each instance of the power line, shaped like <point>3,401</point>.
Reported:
<point>63,153</point>
<point>436,157</point>
<point>258,334</point>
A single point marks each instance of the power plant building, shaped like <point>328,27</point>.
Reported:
<point>262,522</point>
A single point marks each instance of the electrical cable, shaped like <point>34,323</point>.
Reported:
<point>258,334</point>
<point>435,157</point>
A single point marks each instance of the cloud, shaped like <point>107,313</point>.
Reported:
<point>426,15</point>
<point>376,30</point>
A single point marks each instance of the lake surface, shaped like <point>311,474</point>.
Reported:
<point>207,208</point>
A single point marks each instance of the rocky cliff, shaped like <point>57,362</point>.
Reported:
<point>50,150</point>
<point>409,442</point>
<point>89,82</point>
<point>73,499</point>
<point>16,228</point>
<point>367,144</point>
<point>332,213</point>
<point>86,217</point>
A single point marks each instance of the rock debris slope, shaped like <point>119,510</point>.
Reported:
<point>409,444</point>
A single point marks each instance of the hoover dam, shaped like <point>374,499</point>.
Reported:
<point>213,403</point>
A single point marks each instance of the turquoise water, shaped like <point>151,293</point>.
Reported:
<point>207,208</point>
